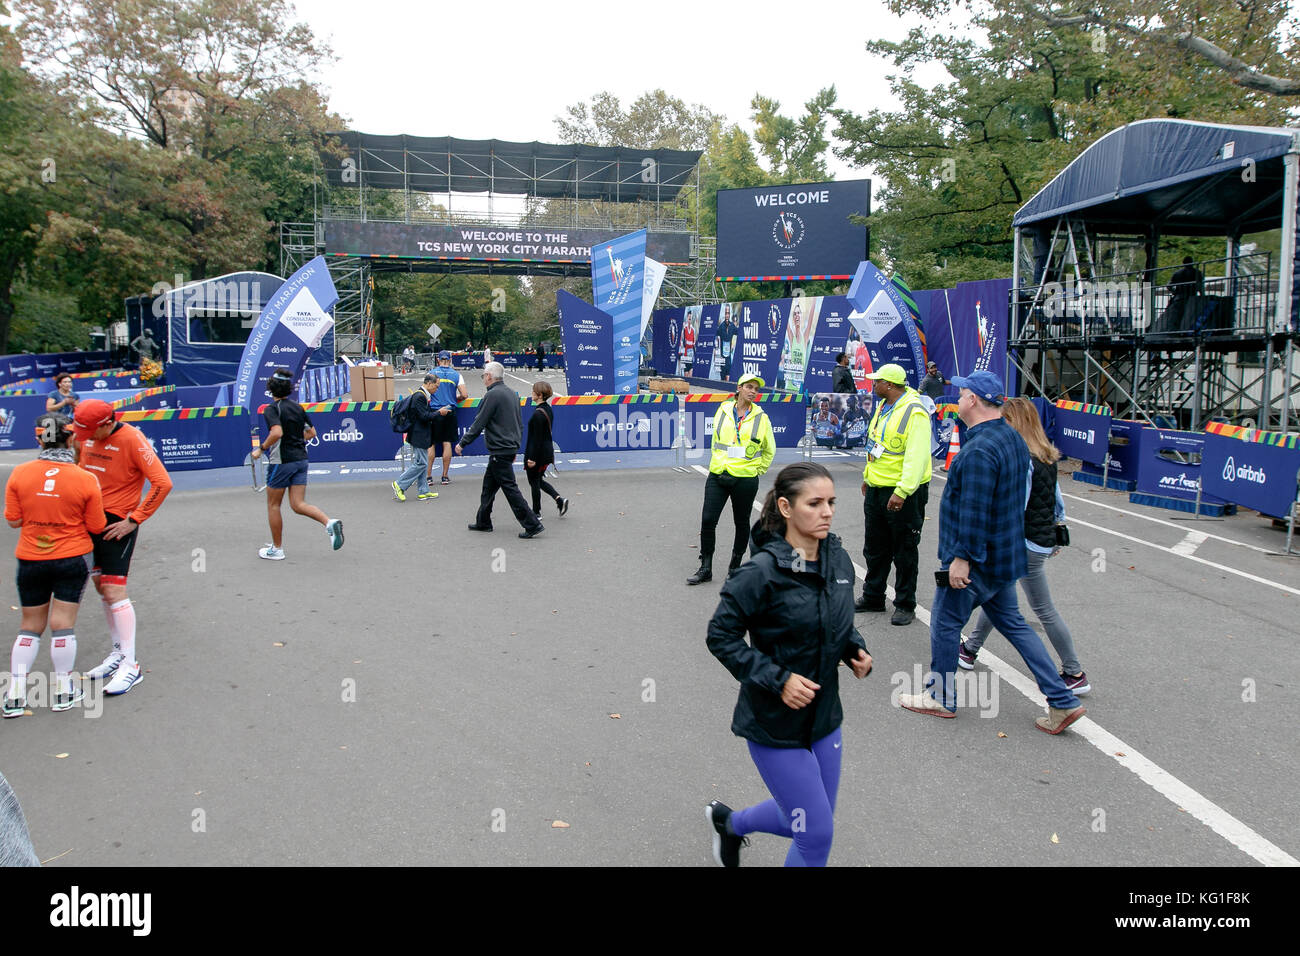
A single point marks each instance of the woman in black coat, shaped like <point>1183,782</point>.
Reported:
<point>795,600</point>
<point>539,453</point>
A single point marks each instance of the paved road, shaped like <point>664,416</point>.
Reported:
<point>429,695</point>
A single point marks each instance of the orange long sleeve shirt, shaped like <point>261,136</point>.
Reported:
<point>123,462</point>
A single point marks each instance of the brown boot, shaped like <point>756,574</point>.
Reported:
<point>1058,720</point>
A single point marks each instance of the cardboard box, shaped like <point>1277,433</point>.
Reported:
<point>676,385</point>
<point>356,383</point>
<point>372,383</point>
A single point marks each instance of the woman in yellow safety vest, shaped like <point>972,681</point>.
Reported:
<point>743,448</point>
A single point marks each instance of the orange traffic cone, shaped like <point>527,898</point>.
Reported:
<point>954,446</point>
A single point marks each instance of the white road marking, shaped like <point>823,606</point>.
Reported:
<point>1168,524</point>
<point>1187,547</point>
<point>1160,780</point>
<point>1190,557</point>
<point>1186,552</point>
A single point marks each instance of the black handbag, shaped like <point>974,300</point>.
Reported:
<point>1062,536</point>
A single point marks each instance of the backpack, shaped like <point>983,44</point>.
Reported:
<point>401,416</point>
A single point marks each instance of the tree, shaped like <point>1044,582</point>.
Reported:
<point>218,88</point>
<point>795,149</point>
<point>655,120</point>
<point>1243,39</point>
<point>959,159</point>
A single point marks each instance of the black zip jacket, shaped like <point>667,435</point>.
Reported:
<point>500,421</point>
<point>798,622</point>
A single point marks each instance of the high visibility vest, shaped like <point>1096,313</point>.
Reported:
<point>755,437</point>
<point>891,434</point>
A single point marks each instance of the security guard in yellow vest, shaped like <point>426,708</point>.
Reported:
<point>743,448</point>
<point>895,488</point>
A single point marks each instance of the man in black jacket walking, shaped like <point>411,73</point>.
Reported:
<point>420,437</point>
<point>502,426</point>
<point>842,375</point>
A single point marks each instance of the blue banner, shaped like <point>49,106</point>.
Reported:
<point>1251,473</point>
<point>618,287</point>
<point>588,346</point>
<point>18,415</point>
<point>291,326</point>
<point>1170,465</point>
<point>1082,431</point>
<point>194,443</point>
<point>966,330</point>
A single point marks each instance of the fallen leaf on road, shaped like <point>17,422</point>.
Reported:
<point>555,610</point>
<point>1001,734</point>
<point>588,763</point>
<point>343,748</point>
<point>1055,838</point>
<point>278,644</point>
<point>616,716</point>
<point>59,756</point>
<point>559,825</point>
<point>1120,753</point>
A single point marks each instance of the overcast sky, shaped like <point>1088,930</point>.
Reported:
<point>505,70</point>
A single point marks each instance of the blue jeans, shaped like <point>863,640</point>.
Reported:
<point>417,472</point>
<point>952,609</point>
<point>1039,596</point>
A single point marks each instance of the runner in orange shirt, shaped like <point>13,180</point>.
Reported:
<point>57,506</point>
<point>123,460</point>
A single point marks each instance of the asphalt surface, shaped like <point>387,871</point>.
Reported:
<point>429,695</point>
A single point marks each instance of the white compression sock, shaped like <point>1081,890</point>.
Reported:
<point>112,621</point>
<point>21,660</point>
<point>123,614</point>
<point>63,652</point>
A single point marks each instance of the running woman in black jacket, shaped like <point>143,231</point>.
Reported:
<point>795,599</point>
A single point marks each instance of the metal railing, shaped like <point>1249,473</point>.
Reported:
<point>1151,303</point>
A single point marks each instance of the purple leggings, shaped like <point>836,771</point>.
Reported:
<point>803,784</point>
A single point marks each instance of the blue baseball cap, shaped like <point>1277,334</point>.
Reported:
<point>983,383</point>
<point>444,356</point>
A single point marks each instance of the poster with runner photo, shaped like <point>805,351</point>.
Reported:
<point>799,331</point>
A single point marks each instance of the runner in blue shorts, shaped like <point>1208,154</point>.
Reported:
<point>289,431</point>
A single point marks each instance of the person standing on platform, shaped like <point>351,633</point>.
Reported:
<point>842,375</point>
<point>1045,511</point>
<point>451,392</point>
<point>539,453</point>
<point>502,426</point>
<point>795,601</point>
<point>289,430</point>
<point>982,551</point>
<point>420,437</point>
<point>742,450</point>
<point>123,460</point>
<point>56,506</point>
<point>895,488</point>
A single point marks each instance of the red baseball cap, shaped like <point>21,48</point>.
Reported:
<point>90,415</point>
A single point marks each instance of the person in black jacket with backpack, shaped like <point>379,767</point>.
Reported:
<point>419,437</point>
<point>795,600</point>
<point>539,451</point>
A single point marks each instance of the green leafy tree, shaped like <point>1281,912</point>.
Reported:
<point>1027,97</point>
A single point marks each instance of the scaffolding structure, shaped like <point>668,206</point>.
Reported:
<point>1100,320</point>
<point>445,182</point>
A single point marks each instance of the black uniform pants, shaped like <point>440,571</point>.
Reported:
<point>893,537</point>
<point>717,489</point>
<point>500,475</point>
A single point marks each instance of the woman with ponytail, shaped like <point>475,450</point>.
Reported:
<point>794,598</point>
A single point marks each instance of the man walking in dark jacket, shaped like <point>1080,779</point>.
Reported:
<point>502,426</point>
<point>420,437</point>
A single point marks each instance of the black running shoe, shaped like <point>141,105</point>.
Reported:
<point>726,845</point>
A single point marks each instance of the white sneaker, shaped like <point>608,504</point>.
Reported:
<point>127,676</point>
<point>110,665</point>
<point>271,553</point>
